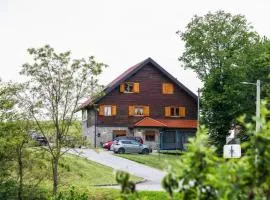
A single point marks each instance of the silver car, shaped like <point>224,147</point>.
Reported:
<point>129,146</point>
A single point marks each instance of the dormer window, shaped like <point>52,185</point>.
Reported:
<point>130,87</point>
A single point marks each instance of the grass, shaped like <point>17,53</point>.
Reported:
<point>80,173</point>
<point>111,194</point>
<point>159,161</point>
<point>75,171</point>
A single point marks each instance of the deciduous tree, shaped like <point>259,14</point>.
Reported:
<point>56,84</point>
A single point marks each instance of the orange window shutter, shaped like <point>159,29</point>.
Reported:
<point>167,111</point>
<point>146,111</point>
<point>136,87</point>
<point>113,110</point>
<point>131,110</point>
<point>101,110</point>
<point>170,88</point>
<point>164,88</point>
<point>182,111</point>
<point>122,87</point>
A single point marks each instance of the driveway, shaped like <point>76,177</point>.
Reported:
<point>152,176</point>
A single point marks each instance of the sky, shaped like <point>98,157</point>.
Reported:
<point>120,33</point>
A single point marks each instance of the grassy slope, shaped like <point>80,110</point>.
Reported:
<point>159,161</point>
<point>80,172</point>
<point>83,174</point>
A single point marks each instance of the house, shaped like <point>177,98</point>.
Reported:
<point>144,101</point>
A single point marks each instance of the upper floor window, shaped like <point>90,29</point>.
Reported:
<point>130,87</point>
<point>173,111</point>
<point>107,110</point>
<point>167,88</point>
<point>138,110</point>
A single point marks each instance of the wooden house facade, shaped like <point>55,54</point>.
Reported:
<point>144,101</point>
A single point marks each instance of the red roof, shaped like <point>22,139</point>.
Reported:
<point>149,122</point>
<point>180,123</point>
<point>168,123</point>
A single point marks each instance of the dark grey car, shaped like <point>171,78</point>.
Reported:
<point>129,146</point>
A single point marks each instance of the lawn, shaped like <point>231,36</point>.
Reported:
<point>73,171</point>
<point>156,160</point>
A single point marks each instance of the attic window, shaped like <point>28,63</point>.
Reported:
<point>130,87</point>
<point>167,88</point>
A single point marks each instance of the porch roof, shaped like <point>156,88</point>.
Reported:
<point>166,123</point>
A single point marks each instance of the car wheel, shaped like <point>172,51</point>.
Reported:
<point>121,150</point>
<point>145,151</point>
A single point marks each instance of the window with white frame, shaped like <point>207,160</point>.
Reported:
<point>129,87</point>
<point>107,111</point>
<point>138,110</point>
<point>175,111</point>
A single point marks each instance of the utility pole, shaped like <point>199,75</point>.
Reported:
<point>258,102</point>
<point>198,108</point>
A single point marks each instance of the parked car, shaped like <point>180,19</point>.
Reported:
<point>129,146</point>
<point>40,139</point>
<point>138,139</point>
<point>107,145</point>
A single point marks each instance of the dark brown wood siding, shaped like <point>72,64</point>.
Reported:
<point>150,79</point>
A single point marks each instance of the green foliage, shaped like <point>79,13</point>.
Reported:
<point>72,194</point>
<point>215,41</point>
<point>224,50</point>
<point>127,186</point>
<point>201,174</point>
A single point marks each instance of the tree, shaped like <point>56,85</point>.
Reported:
<point>201,174</point>
<point>221,48</point>
<point>56,84</point>
<point>216,41</point>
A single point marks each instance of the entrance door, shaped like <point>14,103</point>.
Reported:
<point>169,139</point>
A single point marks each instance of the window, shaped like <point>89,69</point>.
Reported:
<point>126,142</point>
<point>173,111</point>
<point>107,110</point>
<point>138,110</point>
<point>150,136</point>
<point>117,133</point>
<point>130,87</point>
<point>167,88</point>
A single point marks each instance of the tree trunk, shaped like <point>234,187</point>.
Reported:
<point>20,172</point>
<point>55,174</point>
